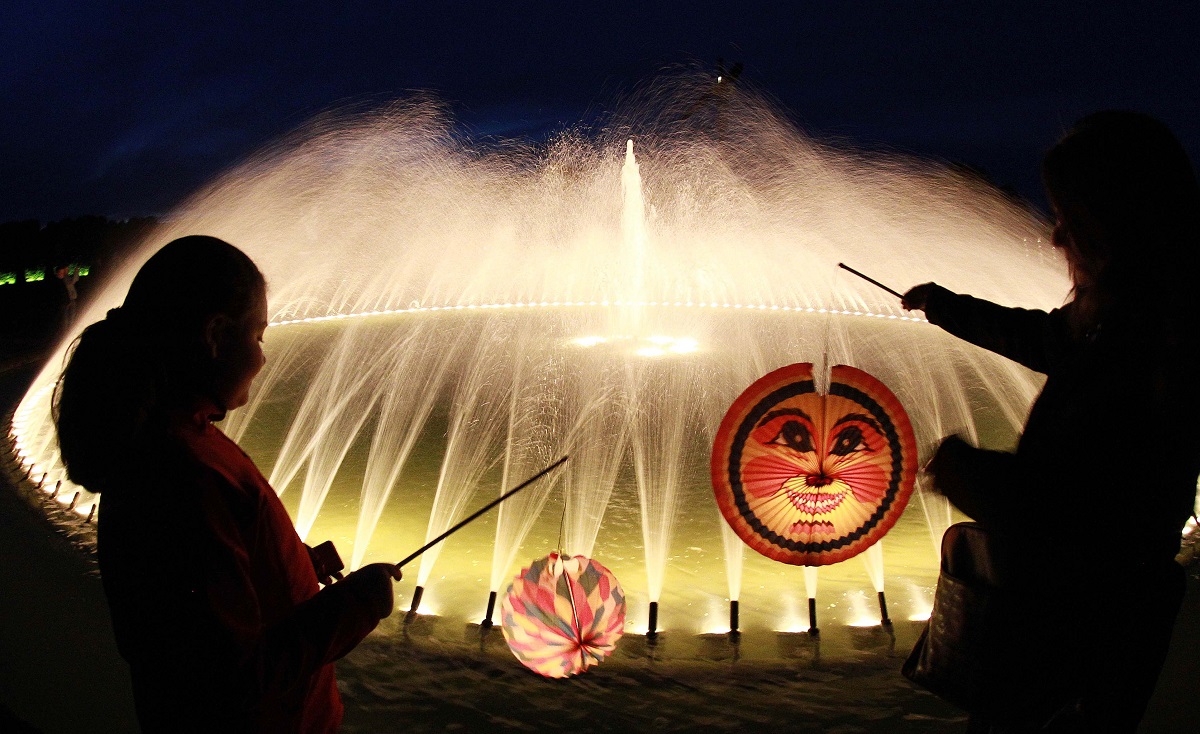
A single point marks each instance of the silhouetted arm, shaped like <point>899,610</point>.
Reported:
<point>1034,338</point>
<point>981,484</point>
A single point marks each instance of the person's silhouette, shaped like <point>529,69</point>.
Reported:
<point>1104,476</point>
<point>215,600</point>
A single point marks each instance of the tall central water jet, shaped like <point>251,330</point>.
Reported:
<point>633,225</point>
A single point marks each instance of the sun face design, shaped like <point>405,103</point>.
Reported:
<point>813,479</point>
<point>830,477</point>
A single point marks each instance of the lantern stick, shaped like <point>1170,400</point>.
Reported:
<point>869,279</point>
<point>482,510</point>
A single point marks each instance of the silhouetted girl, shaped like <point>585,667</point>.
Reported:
<point>215,601</point>
<point>1104,476</point>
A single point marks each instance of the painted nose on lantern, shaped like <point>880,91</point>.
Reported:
<point>818,480</point>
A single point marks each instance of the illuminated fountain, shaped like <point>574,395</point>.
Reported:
<point>448,319</point>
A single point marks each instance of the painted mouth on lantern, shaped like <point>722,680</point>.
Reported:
<point>815,503</point>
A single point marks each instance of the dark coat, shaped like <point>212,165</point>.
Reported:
<point>1096,495</point>
<point>214,600</point>
<point>1108,461</point>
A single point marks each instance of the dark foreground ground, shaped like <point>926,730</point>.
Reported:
<point>60,672</point>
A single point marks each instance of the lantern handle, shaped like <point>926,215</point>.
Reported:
<point>869,279</point>
<point>482,510</point>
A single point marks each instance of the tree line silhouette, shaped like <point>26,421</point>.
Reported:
<point>32,297</point>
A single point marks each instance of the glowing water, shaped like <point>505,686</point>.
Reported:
<point>477,420</point>
<point>584,299</point>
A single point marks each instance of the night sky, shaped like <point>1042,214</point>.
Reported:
<point>123,108</point>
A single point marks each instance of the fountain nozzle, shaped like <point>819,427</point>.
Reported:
<point>652,625</point>
<point>733,617</point>
<point>487,622</point>
<point>812,618</point>
<point>416,603</point>
<point>883,613</point>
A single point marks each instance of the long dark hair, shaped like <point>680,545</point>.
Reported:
<point>122,371</point>
<point>1128,197</point>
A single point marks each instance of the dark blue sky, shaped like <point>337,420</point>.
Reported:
<point>122,108</point>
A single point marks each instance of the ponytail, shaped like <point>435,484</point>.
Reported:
<point>108,390</point>
<point>146,355</point>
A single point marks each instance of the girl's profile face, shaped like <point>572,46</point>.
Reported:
<point>1072,225</point>
<point>238,355</point>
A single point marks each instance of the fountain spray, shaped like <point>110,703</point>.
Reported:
<point>722,246</point>
<point>873,558</point>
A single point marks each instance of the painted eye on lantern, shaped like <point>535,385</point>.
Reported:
<point>848,441</point>
<point>795,436</point>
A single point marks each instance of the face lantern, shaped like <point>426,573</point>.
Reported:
<point>811,479</point>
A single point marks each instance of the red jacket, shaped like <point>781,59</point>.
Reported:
<point>214,600</point>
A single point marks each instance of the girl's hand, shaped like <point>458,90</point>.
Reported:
<point>373,585</point>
